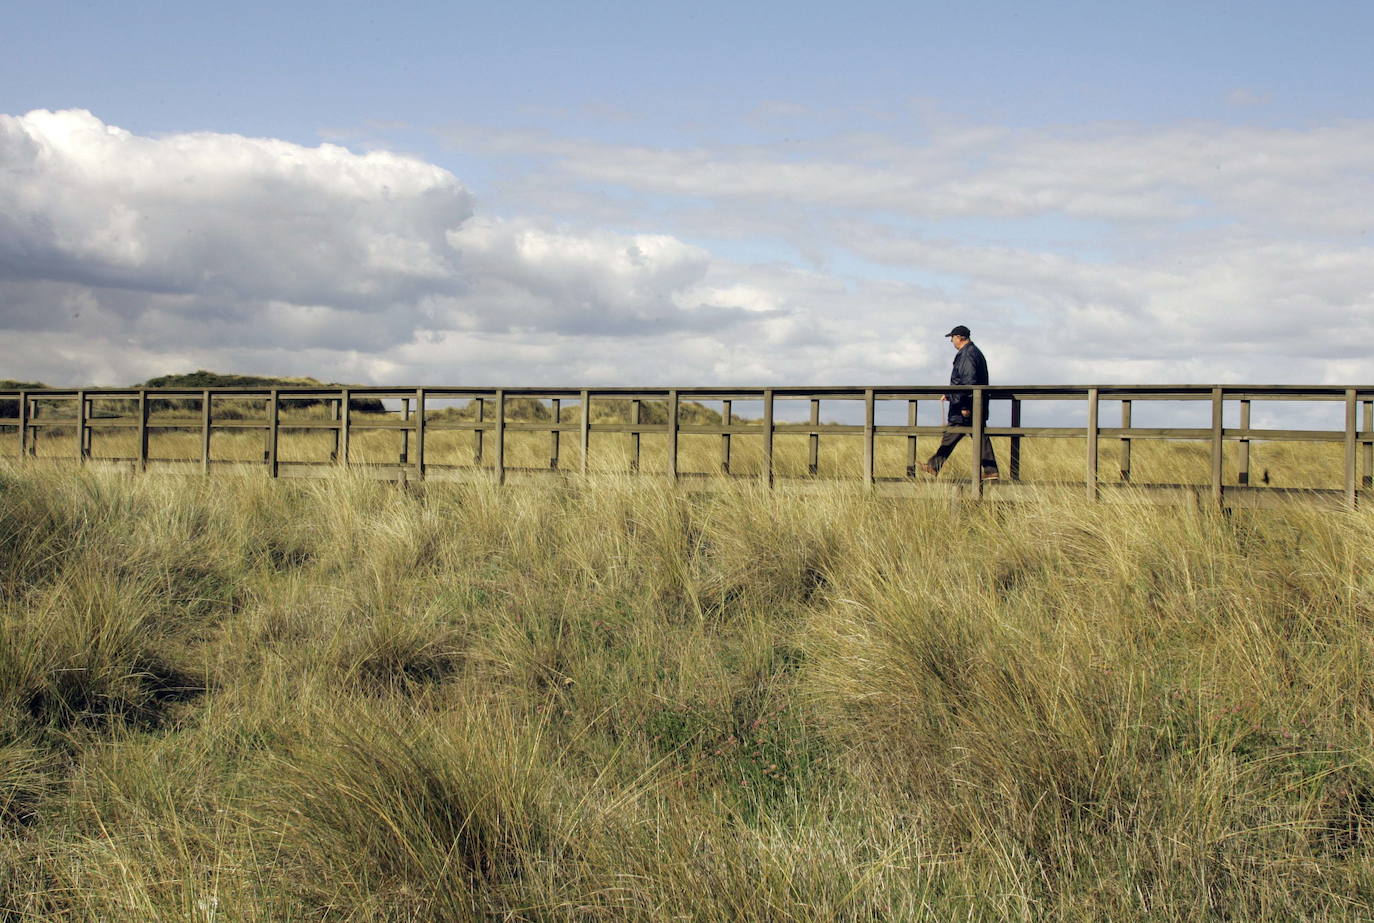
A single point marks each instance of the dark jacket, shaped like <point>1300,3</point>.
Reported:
<point>970,368</point>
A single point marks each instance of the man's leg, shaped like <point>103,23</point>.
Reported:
<point>947,443</point>
<point>989,459</point>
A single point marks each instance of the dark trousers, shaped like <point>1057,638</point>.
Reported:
<point>947,443</point>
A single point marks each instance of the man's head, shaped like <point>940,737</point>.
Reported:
<point>959,336</point>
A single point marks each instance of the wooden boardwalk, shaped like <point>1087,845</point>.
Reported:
<point>30,415</point>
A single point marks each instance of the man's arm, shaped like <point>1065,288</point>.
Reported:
<point>965,372</point>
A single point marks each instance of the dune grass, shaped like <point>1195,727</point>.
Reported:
<point>243,699</point>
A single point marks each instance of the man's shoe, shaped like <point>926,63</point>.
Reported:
<point>927,468</point>
<point>990,475</point>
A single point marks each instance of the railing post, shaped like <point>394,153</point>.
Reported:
<point>553,442</point>
<point>725,417</point>
<point>500,436</point>
<point>345,425</point>
<point>672,435</point>
<point>273,432</point>
<point>335,417</point>
<point>813,454</point>
<point>634,436</point>
<point>1243,465</point>
<point>911,440</point>
<point>420,433</point>
<point>868,437</point>
<point>1369,446</point>
<point>142,460</point>
<point>267,434</point>
<point>586,434</point>
<point>405,432</point>
<point>1092,434</point>
<point>1014,462</point>
<point>24,449</point>
<point>1126,443</point>
<point>1218,447</point>
<point>767,473</point>
<point>83,450</point>
<point>206,420</point>
<point>479,434</point>
<point>979,427</point>
<point>1352,407</point>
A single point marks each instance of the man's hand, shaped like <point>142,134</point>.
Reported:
<point>964,412</point>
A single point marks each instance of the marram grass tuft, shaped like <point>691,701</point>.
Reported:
<point>238,699</point>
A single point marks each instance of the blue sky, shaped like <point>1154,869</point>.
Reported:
<point>290,70</point>
<point>722,192</point>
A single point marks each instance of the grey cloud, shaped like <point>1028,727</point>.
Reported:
<point>210,244</point>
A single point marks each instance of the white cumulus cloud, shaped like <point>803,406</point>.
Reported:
<point>1197,252</point>
<point>251,251</point>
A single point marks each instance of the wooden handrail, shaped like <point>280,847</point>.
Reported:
<point>145,410</point>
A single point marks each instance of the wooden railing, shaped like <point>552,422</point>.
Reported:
<point>38,411</point>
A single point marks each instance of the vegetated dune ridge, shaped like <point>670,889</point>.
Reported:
<point>245,699</point>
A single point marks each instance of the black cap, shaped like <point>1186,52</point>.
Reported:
<point>959,331</point>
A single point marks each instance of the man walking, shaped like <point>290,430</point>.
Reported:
<point>970,368</point>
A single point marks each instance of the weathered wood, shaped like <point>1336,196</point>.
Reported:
<point>269,406</point>
<point>979,425</point>
<point>335,415</point>
<point>1126,443</point>
<point>500,437</point>
<point>1014,463</point>
<point>83,432</point>
<point>24,449</point>
<point>346,410</point>
<point>1352,408</point>
<point>746,429</point>
<point>479,435</point>
<point>142,458</point>
<point>586,436</point>
<point>555,434</point>
<point>634,436</point>
<point>1218,446</point>
<point>514,427</point>
<point>405,425</point>
<point>1092,435</point>
<point>1357,441</point>
<point>910,440</point>
<point>725,418</point>
<point>420,433</point>
<point>672,435</point>
<point>273,433</point>
<point>813,449</point>
<point>1369,445</point>
<point>766,475</point>
<point>1243,462</point>
<point>206,423</point>
<point>869,437</point>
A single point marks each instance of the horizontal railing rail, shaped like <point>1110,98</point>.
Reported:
<point>29,413</point>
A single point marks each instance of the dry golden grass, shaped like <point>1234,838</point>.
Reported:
<point>244,699</point>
